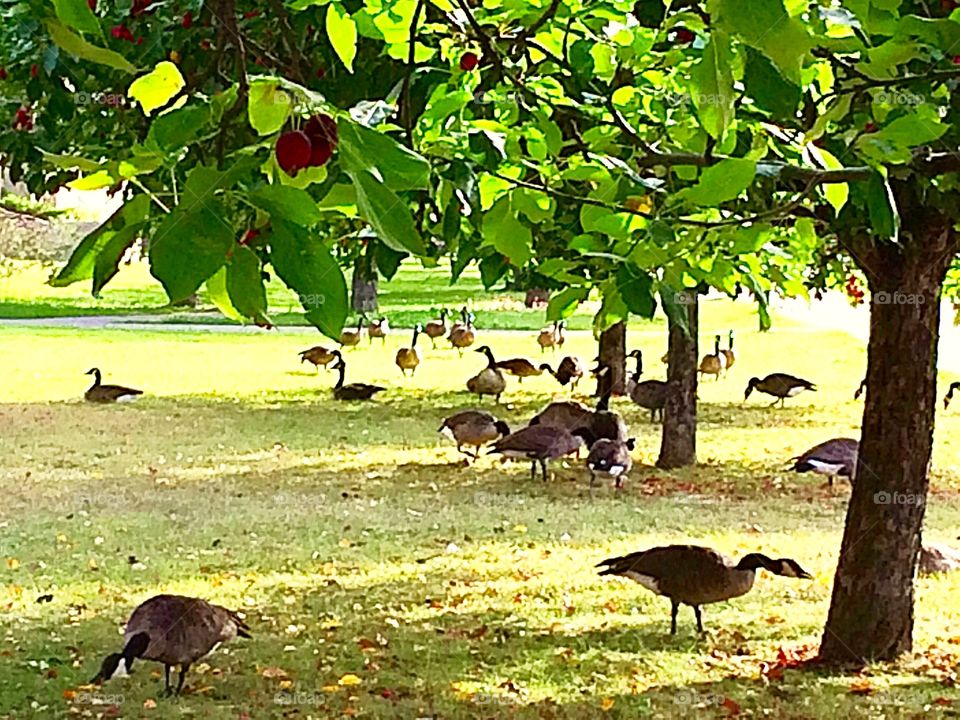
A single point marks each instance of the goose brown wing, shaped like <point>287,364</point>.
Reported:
<point>688,573</point>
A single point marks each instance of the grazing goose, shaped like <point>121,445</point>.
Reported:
<point>490,380</point>
<point>836,457</point>
<point>409,358</point>
<point>649,394</point>
<point>521,368</point>
<point>473,428</point>
<point>949,396</point>
<point>318,355</point>
<point>98,393</point>
<point>780,386</point>
<point>351,338</point>
<point>730,356</point>
<point>610,459</point>
<point>437,328</point>
<point>694,575</point>
<point>540,444</point>
<point>863,386</point>
<point>607,424</point>
<point>549,337</point>
<point>353,391</point>
<point>173,630</point>
<point>565,414</point>
<point>714,363</point>
<point>935,559</point>
<point>463,336</point>
<point>569,372</point>
<point>378,329</point>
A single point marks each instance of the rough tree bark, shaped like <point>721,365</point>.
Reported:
<point>613,354</point>
<point>871,611</point>
<point>678,443</point>
<point>363,286</point>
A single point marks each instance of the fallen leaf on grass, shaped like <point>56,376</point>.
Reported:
<point>272,673</point>
<point>731,706</point>
<point>13,563</point>
<point>943,702</point>
<point>349,679</point>
<point>149,704</point>
<point>861,686</point>
<point>606,704</point>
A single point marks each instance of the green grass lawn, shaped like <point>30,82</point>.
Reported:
<point>414,295</point>
<point>383,578</point>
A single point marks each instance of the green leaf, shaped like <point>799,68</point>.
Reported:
<point>836,194</point>
<point>127,221</point>
<point>636,289</point>
<point>650,13</point>
<point>565,303</point>
<point>386,213</point>
<point>342,31</point>
<point>508,235</point>
<point>245,283</point>
<point>387,260</point>
<point>78,15</point>
<point>884,218</point>
<point>364,149</point>
<point>69,162</point>
<point>766,26</point>
<point>675,305</point>
<point>308,268</point>
<point>268,107</point>
<point>72,43</point>
<point>713,81</point>
<point>287,203</point>
<point>721,182</point>
<point>492,268</point>
<point>158,87</point>
<point>189,246</point>
<point>178,128</point>
<point>93,181</point>
<point>216,286</point>
<point>108,260</point>
<point>769,90</point>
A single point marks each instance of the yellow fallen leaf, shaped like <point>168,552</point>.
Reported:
<point>274,673</point>
<point>345,542</point>
<point>606,704</point>
<point>92,564</point>
<point>69,694</point>
<point>286,684</point>
<point>61,538</point>
<point>520,528</point>
<point>149,703</point>
<point>13,563</point>
<point>330,688</point>
<point>349,679</point>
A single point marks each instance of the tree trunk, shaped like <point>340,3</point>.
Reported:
<point>678,443</point>
<point>871,611</point>
<point>613,354</point>
<point>363,287</point>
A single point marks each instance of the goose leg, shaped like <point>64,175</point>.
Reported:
<point>166,680</point>
<point>696,611</point>
<point>533,469</point>
<point>543,468</point>
<point>183,675</point>
<point>674,608</point>
<point>593,479</point>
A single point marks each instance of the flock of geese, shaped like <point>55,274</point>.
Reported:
<point>178,631</point>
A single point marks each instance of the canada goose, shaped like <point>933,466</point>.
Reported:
<point>935,559</point>
<point>351,338</point>
<point>521,368</point>
<point>694,575</point>
<point>836,457</point>
<point>863,386</point>
<point>462,322</point>
<point>780,386</point>
<point>611,459</point>
<point>409,358</point>
<point>318,355</point>
<point>730,356</point>
<point>437,328</point>
<point>353,391</point>
<point>549,337</point>
<point>173,630</point>
<point>607,424</point>
<point>473,428</point>
<point>569,371</point>
<point>715,363</point>
<point>540,444</point>
<point>490,380</point>
<point>464,336</point>
<point>378,329</point>
<point>98,393</point>
<point>648,394</point>
<point>949,396</point>
<point>565,414</point>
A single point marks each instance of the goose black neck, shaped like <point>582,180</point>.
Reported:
<point>342,369</point>
<point>416,334</point>
<point>491,363</point>
<point>639,370</point>
<point>756,560</point>
<point>96,377</point>
<point>716,345</point>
